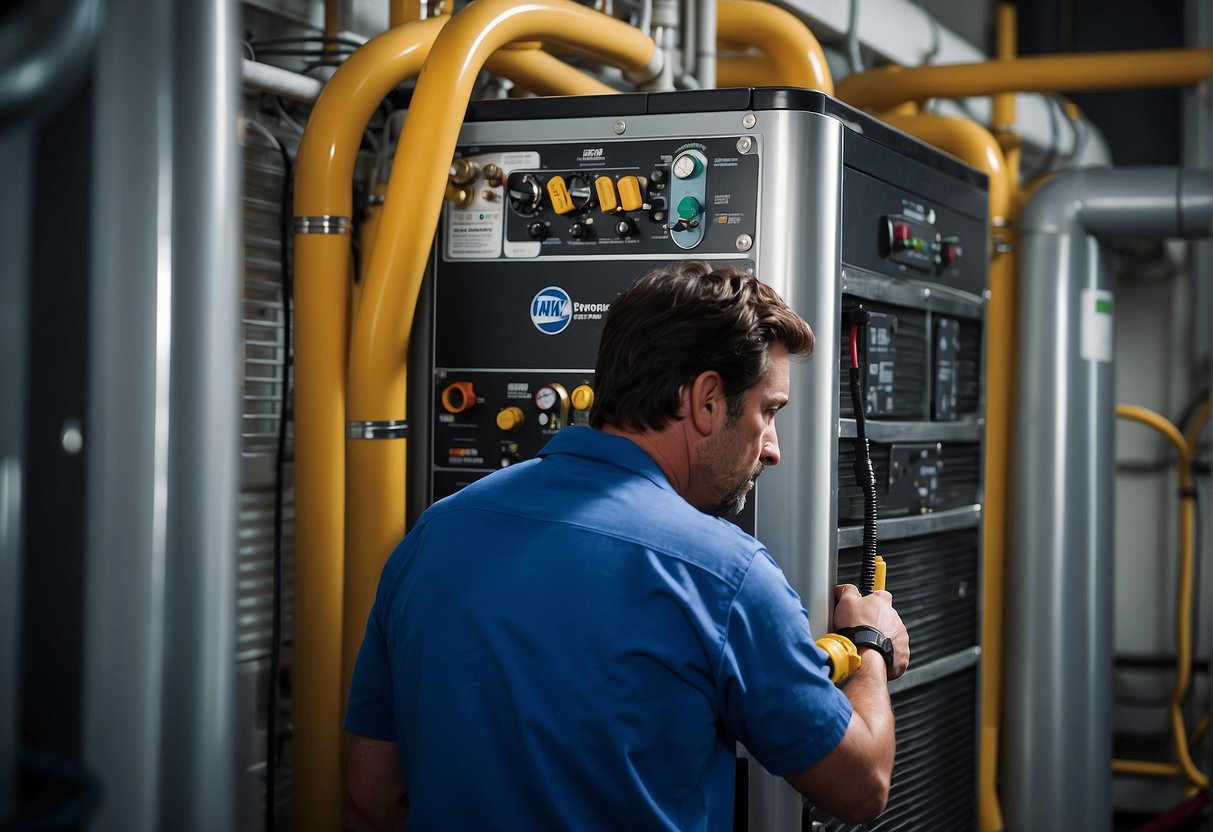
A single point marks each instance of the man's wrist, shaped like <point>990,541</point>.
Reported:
<point>864,636</point>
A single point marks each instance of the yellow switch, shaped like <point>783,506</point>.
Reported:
<point>629,193</point>
<point>582,397</point>
<point>605,186</point>
<point>562,203</point>
<point>510,419</point>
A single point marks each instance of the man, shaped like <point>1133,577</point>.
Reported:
<point>578,641</point>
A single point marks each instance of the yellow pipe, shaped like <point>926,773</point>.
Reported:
<point>747,71</point>
<point>1003,103</point>
<point>324,171</point>
<point>972,143</point>
<point>403,11</point>
<point>379,343</point>
<point>544,74</point>
<point>798,57</point>
<point>882,88</point>
<point>1183,594</point>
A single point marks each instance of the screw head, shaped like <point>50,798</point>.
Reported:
<point>744,144</point>
<point>745,242</point>
<point>619,127</point>
<point>748,120</point>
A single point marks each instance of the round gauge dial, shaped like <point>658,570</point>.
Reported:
<point>684,166</point>
<point>546,398</point>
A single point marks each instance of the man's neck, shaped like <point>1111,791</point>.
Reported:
<point>667,448</point>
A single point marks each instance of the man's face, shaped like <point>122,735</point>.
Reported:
<point>734,457</point>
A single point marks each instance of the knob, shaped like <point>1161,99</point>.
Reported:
<point>630,197</point>
<point>581,193</point>
<point>492,173</point>
<point>657,177</point>
<point>510,419</point>
<point>524,193</point>
<point>582,229</point>
<point>537,230</point>
<point>582,397</point>
<point>688,211</point>
<point>459,396</point>
<point>607,202</point>
<point>464,171</point>
<point>624,228</point>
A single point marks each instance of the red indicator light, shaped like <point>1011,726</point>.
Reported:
<point>901,232</point>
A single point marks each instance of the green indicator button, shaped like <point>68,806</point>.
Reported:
<point>1103,305</point>
<point>689,208</point>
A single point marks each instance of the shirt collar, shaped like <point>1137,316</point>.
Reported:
<point>608,449</point>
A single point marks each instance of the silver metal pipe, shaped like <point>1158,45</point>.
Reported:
<point>282,82</point>
<point>1057,734</point>
<point>164,416</point>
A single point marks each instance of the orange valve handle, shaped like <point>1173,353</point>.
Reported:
<point>459,396</point>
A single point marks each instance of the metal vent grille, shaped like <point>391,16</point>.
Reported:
<point>264,340</point>
<point>958,480</point>
<point>935,774</point>
<point>934,579</point>
<point>968,369</point>
<point>896,385</point>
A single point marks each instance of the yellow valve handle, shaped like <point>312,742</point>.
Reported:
<point>605,186</point>
<point>844,658</point>
<point>558,190</point>
<point>630,196</point>
<point>878,577</point>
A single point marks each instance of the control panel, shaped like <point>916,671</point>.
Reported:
<point>602,199</point>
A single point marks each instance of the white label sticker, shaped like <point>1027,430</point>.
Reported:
<point>1096,325</point>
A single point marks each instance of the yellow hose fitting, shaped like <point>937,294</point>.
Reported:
<point>844,658</point>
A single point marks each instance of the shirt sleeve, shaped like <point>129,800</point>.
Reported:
<point>773,685</point>
<point>370,712</point>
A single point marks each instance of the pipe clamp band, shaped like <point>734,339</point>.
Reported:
<point>385,429</point>
<point>323,224</point>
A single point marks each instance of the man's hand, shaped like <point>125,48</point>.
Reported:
<point>876,610</point>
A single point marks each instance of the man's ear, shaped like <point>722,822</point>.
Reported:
<point>705,401</point>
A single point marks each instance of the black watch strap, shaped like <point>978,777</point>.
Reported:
<point>870,637</point>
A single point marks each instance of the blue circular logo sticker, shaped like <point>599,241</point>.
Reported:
<point>551,310</point>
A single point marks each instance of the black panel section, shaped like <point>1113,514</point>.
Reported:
<point>933,784</point>
<point>954,242</point>
<point>52,649</point>
<point>966,197</point>
<point>484,312</point>
<point>911,478</point>
<point>894,357</point>
<point>565,106</point>
<point>934,579</point>
<point>968,368</point>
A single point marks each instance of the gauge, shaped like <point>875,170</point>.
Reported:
<point>546,397</point>
<point>685,166</point>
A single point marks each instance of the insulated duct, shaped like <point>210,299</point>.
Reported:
<point>1057,764</point>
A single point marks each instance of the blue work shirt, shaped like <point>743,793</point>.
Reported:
<point>569,644</point>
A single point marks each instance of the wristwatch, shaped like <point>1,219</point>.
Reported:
<point>870,637</point>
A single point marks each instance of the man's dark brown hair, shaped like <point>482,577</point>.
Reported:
<point>674,323</point>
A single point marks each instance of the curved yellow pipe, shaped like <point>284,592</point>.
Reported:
<point>383,323</point>
<point>544,74</point>
<point>324,170</point>
<point>796,55</point>
<point>972,143</point>
<point>1183,593</point>
<point>753,70</point>
<point>882,88</point>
